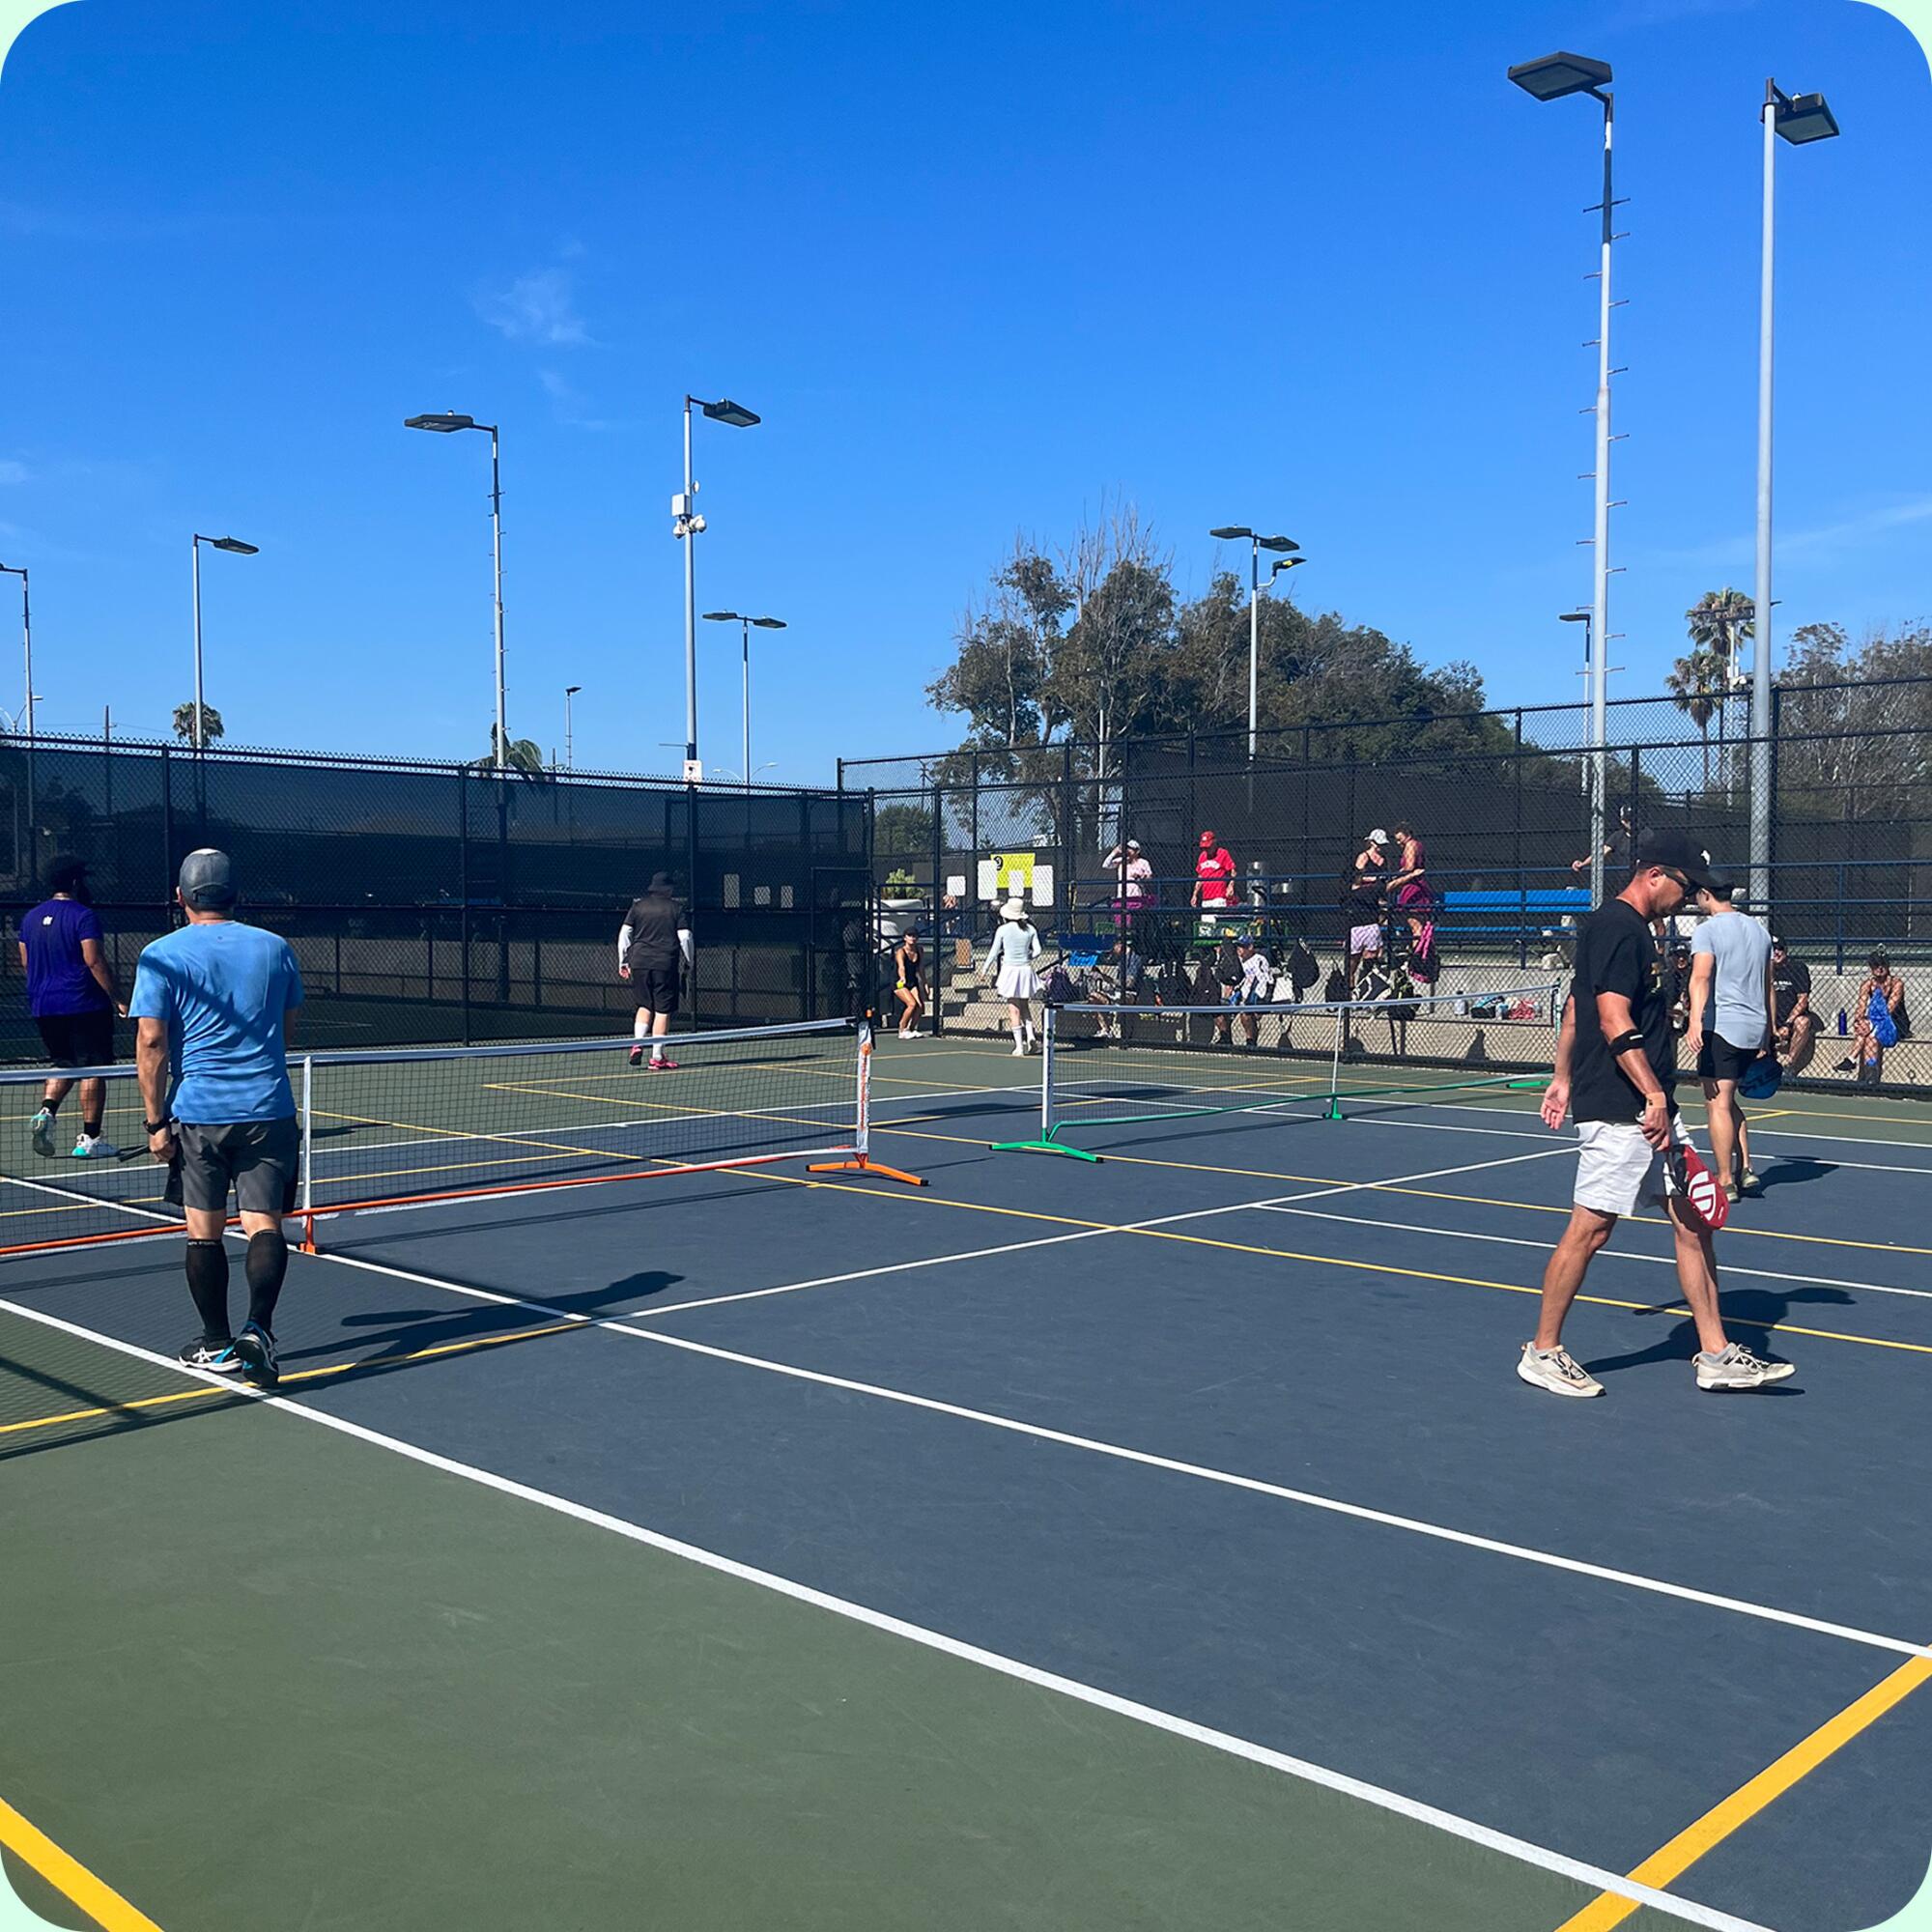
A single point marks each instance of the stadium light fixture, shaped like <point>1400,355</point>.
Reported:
<point>235,546</point>
<point>1256,543</point>
<point>446,423</point>
<point>746,626</point>
<point>1555,77</point>
<point>1801,119</point>
<point>687,525</point>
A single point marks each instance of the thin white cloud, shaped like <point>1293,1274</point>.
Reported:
<point>539,307</point>
<point>1822,544</point>
<point>12,472</point>
<point>572,405</point>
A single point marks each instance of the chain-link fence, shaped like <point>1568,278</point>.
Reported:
<point>431,903</point>
<point>1501,800</point>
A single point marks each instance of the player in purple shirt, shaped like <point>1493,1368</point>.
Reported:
<point>72,995</point>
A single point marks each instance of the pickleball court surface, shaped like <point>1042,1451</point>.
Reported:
<point>1166,1542</point>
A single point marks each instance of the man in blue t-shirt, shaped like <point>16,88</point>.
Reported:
<point>72,996</point>
<point>213,1002</point>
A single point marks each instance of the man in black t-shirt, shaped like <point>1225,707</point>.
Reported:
<point>1616,1057</point>
<point>653,944</point>
<point>1794,1029</point>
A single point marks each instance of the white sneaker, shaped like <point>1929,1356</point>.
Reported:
<point>1737,1367</point>
<point>1557,1371</point>
<point>93,1147</point>
<point>1019,1052</point>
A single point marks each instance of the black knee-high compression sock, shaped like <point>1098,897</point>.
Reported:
<point>207,1283</point>
<point>267,1263</point>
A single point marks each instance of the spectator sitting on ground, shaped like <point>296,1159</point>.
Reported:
<point>1794,1025</point>
<point>1879,1010</point>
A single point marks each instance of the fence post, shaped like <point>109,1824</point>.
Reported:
<point>167,829</point>
<point>691,887</point>
<point>462,874</point>
<point>936,977</point>
<point>1069,822</point>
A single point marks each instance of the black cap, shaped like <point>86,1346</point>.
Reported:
<point>207,880</point>
<point>1659,845</point>
<point>1777,945</point>
<point>660,883</point>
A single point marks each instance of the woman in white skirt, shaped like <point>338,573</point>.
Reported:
<point>1009,967</point>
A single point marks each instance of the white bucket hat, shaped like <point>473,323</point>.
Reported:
<point>1378,836</point>
<point>1013,909</point>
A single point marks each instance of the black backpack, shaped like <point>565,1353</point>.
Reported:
<point>1303,968</point>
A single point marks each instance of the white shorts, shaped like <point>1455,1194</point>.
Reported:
<point>1365,939</point>
<point>1617,1170</point>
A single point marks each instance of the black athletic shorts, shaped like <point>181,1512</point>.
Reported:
<point>1718,1059</point>
<point>656,988</point>
<point>78,1039</point>
<point>260,1159</point>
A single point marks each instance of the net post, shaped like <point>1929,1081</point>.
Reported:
<point>305,1194</point>
<point>1334,1111</point>
<point>862,1161</point>
<point>1047,1143</point>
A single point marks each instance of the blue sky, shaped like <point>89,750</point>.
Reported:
<point>982,271</point>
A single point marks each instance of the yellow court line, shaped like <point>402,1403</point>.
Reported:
<point>1669,1862</point>
<point>1430,1193</point>
<point>69,1876</point>
<point>1336,1261</point>
<point>203,1390</point>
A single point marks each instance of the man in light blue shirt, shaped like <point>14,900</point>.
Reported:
<point>215,1002</point>
<point>1731,1005</point>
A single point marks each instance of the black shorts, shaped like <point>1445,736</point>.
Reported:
<point>260,1159</point>
<point>78,1039</point>
<point>656,988</point>
<point>1718,1059</point>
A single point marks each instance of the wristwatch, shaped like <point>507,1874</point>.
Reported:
<point>154,1128</point>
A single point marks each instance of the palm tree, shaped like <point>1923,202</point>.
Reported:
<point>1719,622</point>
<point>1696,683</point>
<point>211,724</point>
<point>520,755</point>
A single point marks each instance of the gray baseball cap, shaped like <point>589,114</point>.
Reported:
<point>208,880</point>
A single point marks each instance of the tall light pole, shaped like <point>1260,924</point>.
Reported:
<point>1256,545</point>
<point>447,423</point>
<point>235,546</point>
<point>686,524</point>
<point>1799,120</point>
<point>26,633</point>
<point>1553,78</point>
<point>570,690</point>
<point>746,623</point>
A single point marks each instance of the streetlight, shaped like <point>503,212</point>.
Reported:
<point>1256,544</point>
<point>19,570</point>
<point>687,524</point>
<point>570,690</point>
<point>1801,119</point>
<point>764,624</point>
<point>447,423</point>
<point>1553,78</point>
<point>235,546</point>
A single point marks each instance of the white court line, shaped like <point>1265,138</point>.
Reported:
<point>1607,1254</point>
<point>1147,1458</point>
<point>1599,1878</point>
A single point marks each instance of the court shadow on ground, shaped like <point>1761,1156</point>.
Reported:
<point>1788,1170</point>
<point>1751,1315</point>
<point>412,1333</point>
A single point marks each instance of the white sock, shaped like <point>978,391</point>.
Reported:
<point>1019,1038</point>
<point>659,1046</point>
<point>640,1027</point>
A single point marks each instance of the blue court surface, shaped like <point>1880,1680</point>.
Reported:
<point>1166,1542</point>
